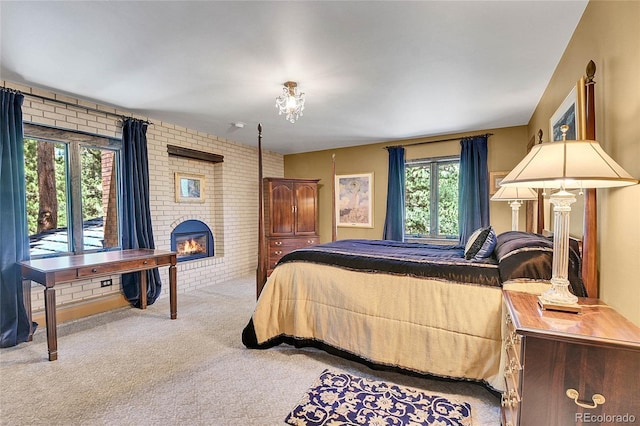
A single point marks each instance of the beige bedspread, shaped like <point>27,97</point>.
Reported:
<point>423,325</point>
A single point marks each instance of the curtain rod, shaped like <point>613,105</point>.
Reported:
<point>122,117</point>
<point>441,140</point>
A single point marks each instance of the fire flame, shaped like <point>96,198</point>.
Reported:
<point>190,247</point>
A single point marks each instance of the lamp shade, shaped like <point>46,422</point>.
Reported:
<point>507,193</point>
<point>568,164</point>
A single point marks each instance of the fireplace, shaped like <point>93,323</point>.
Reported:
<point>192,239</point>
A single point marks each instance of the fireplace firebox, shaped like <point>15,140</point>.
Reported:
<point>192,239</point>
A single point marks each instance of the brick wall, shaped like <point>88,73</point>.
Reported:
<point>231,192</point>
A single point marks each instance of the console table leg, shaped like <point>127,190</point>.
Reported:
<point>51,322</point>
<point>173,298</point>
<point>26,299</point>
<point>143,289</point>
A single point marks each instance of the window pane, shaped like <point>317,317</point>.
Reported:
<point>448,199</point>
<point>99,198</point>
<point>417,200</point>
<point>46,185</point>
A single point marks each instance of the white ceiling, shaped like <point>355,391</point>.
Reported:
<point>371,71</point>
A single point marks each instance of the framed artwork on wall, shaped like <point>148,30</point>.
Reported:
<point>494,181</point>
<point>354,200</point>
<point>570,112</point>
<point>189,188</point>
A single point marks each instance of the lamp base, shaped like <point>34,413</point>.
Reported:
<point>558,297</point>
<point>551,306</point>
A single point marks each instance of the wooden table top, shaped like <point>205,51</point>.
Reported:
<point>598,323</point>
<point>61,263</point>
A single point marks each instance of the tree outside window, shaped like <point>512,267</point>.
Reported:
<point>431,198</point>
<point>72,191</point>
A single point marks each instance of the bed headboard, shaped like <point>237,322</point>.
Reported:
<point>590,230</point>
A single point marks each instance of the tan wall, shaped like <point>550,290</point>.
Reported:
<point>231,199</point>
<point>507,147</point>
<point>609,34</point>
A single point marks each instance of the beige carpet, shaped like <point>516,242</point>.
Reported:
<point>138,367</point>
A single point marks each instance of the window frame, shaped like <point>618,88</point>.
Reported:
<point>75,140</point>
<point>434,190</point>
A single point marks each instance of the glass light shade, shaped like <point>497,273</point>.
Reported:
<point>291,102</point>
<point>568,164</point>
<point>507,193</point>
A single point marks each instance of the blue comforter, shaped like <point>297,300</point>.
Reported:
<point>393,257</point>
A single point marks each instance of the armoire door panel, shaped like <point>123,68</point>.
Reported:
<point>306,209</point>
<point>282,209</point>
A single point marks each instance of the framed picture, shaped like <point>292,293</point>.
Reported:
<point>354,200</point>
<point>570,112</point>
<point>494,181</point>
<point>189,188</point>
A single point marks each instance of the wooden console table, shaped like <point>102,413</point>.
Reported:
<point>54,270</point>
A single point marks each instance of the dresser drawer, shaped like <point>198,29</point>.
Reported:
<point>292,243</point>
<point>511,399</point>
<point>118,268</point>
<point>509,413</point>
<point>577,379</point>
<point>513,341</point>
<point>276,254</point>
<point>278,247</point>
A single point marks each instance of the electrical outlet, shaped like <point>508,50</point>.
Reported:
<point>106,283</point>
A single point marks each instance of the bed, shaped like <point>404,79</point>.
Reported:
<point>359,298</point>
<point>413,307</point>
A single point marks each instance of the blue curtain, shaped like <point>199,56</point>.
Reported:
<point>394,221</point>
<point>473,187</point>
<point>14,322</point>
<point>137,231</point>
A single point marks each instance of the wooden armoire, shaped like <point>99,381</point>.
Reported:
<point>291,216</point>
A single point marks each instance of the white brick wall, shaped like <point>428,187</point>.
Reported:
<point>231,193</point>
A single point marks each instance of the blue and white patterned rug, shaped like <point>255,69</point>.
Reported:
<point>343,399</point>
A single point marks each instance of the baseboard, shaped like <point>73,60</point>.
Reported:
<point>83,309</point>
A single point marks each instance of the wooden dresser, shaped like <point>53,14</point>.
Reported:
<point>291,216</point>
<point>568,369</point>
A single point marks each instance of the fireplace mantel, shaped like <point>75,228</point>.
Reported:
<point>178,151</point>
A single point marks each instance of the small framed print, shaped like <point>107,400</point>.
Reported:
<point>354,200</point>
<point>494,181</point>
<point>570,112</point>
<point>189,188</point>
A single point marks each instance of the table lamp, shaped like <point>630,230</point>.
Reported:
<point>514,195</point>
<point>565,164</point>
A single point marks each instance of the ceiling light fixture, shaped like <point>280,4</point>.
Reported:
<point>290,103</point>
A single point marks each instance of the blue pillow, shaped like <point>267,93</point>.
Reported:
<point>481,244</point>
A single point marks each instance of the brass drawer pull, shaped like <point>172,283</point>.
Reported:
<point>510,399</point>
<point>94,270</point>
<point>596,398</point>
<point>508,320</point>
<point>278,243</point>
<point>278,252</point>
<point>513,366</point>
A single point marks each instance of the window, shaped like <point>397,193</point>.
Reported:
<point>73,191</point>
<point>431,198</point>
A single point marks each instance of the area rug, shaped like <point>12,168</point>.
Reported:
<point>344,399</point>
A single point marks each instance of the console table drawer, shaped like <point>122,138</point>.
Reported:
<point>108,268</point>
